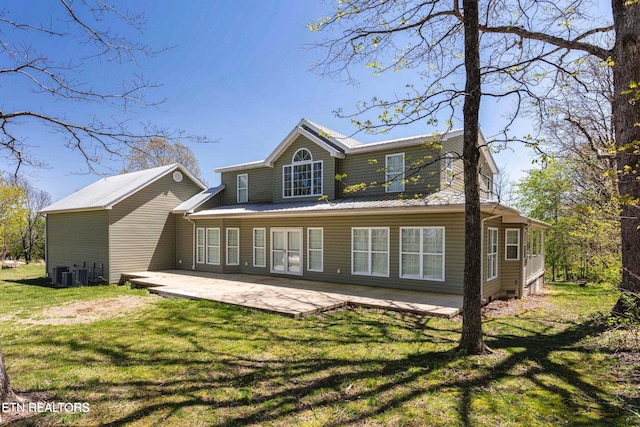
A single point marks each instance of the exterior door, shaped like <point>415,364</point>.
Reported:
<point>286,250</point>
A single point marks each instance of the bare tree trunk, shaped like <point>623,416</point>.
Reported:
<point>626,109</point>
<point>6,392</point>
<point>471,339</point>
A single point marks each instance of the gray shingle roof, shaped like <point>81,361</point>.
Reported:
<point>108,191</point>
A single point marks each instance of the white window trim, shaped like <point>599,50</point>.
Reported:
<point>200,255</point>
<point>507,245</point>
<point>393,179</point>
<point>421,253</point>
<point>492,231</point>
<point>263,247</point>
<point>272,250</point>
<point>246,187</point>
<point>369,251</point>
<point>206,246</point>
<point>309,249</point>
<point>235,247</point>
<point>448,168</point>
<point>305,162</point>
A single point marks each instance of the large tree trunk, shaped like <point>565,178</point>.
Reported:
<point>6,392</point>
<point>626,116</point>
<point>471,339</point>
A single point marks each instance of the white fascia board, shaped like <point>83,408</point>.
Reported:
<point>154,179</point>
<point>484,148</point>
<point>242,166</point>
<point>299,130</point>
<point>405,142</point>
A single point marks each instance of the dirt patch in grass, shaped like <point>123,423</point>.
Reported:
<point>513,307</point>
<point>88,311</point>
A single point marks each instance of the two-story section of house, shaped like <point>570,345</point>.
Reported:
<point>323,206</point>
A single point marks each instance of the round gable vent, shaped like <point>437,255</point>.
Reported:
<point>177,176</point>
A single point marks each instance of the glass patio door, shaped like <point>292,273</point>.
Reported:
<point>286,251</point>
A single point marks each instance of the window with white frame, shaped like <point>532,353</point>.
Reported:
<point>242,188</point>
<point>422,253</point>
<point>492,253</point>
<point>512,244</point>
<point>448,168</point>
<point>370,251</point>
<point>213,246</point>
<point>394,172</point>
<point>315,246</point>
<point>259,247</point>
<point>200,245</point>
<point>303,177</point>
<point>233,246</point>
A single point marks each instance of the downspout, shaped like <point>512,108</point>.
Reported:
<point>46,245</point>
<point>481,251</point>
<point>193,242</point>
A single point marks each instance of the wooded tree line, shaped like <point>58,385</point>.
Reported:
<point>21,225</point>
<point>576,189</point>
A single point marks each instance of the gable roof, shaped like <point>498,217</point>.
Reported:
<point>108,191</point>
<point>339,145</point>
<point>190,205</point>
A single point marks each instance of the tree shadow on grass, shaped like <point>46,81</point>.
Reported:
<point>239,388</point>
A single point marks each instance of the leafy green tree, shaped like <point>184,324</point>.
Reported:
<point>160,152</point>
<point>12,214</point>
<point>583,241</point>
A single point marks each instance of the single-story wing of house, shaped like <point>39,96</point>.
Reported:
<point>322,206</point>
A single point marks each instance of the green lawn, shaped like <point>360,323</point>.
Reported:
<point>190,363</point>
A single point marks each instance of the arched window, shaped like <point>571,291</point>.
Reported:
<point>303,177</point>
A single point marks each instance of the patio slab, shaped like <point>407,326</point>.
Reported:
<point>290,296</point>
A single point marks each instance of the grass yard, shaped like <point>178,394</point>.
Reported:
<point>190,363</point>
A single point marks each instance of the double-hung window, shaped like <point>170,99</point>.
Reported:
<point>233,246</point>
<point>259,247</point>
<point>242,188</point>
<point>422,253</point>
<point>200,245</point>
<point>314,249</point>
<point>303,177</point>
<point>370,251</point>
<point>448,168</point>
<point>394,173</point>
<point>512,244</point>
<point>213,246</point>
<point>492,253</point>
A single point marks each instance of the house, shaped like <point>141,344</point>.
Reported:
<point>119,223</point>
<point>324,206</point>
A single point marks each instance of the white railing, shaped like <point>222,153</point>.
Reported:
<point>535,265</point>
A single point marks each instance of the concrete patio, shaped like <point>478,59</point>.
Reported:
<point>290,296</point>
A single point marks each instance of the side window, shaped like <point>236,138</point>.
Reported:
<point>394,173</point>
<point>243,188</point>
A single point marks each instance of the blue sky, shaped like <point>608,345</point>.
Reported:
<point>238,73</point>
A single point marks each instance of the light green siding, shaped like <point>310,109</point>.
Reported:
<point>337,247</point>
<point>260,185</point>
<point>422,171</point>
<point>74,238</point>
<point>511,270</point>
<point>318,153</point>
<point>453,146</point>
<point>184,243</point>
<point>143,229</point>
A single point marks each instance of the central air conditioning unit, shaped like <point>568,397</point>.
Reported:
<point>67,279</point>
<point>57,274</point>
<point>82,277</point>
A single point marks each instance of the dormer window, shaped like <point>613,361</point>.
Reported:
<point>303,177</point>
